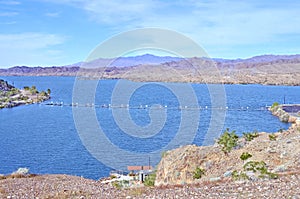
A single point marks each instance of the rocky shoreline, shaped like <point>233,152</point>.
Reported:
<point>12,97</point>
<point>278,110</point>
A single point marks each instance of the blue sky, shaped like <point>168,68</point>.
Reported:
<point>61,32</point>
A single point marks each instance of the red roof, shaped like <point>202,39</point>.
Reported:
<point>136,168</point>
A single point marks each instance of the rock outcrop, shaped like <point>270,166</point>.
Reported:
<point>280,155</point>
<point>4,86</point>
<point>11,96</point>
<point>277,110</point>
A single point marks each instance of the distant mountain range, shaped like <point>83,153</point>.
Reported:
<point>264,69</point>
<point>262,58</point>
<point>149,59</point>
<point>130,61</point>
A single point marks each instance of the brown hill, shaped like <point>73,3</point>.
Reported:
<point>271,69</point>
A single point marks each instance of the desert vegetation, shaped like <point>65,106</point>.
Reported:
<point>228,141</point>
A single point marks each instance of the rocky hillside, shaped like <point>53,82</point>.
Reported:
<point>267,69</point>
<point>268,155</point>
<point>40,71</point>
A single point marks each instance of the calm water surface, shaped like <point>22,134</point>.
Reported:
<point>44,138</point>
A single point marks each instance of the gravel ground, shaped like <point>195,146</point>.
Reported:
<point>64,186</point>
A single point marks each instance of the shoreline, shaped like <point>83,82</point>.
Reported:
<point>160,81</point>
<point>11,96</point>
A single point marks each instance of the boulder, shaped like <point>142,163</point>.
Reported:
<point>292,119</point>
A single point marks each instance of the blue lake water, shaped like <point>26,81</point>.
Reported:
<point>47,140</point>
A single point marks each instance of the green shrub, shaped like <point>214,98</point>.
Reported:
<point>33,90</point>
<point>256,166</point>
<point>228,141</point>
<point>198,173</point>
<point>239,175</point>
<point>163,154</point>
<point>117,184</point>
<point>132,174</point>
<point>235,175</point>
<point>245,156</point>
<point>272,175</point>
<point>261,167</point>
<point>275,104</point>
<point>43,93</point>
<point>112,176</point>
<point>272,137</point>
<point>24,98</point>
<point>9,93</point>
<point>15,91</point>
<point>250,136</point>
<point>121,184</point>
<point>150,180</point>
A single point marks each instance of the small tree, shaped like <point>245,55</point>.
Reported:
<point>33,90</point>
<point>228,141</point>
<point>43,93</point>
<point>275,104</point>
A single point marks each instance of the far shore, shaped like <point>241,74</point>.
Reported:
<point>264,70</point>
<point>171,80</point>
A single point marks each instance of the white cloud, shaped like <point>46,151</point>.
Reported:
<point>117,11</point>
<point>29,40</point>
<point>219,24</point>
<point>8,23</point>
<point>52,14</point>
<point>8,14</point>
<point>228,21</point>
<point>29,49</point>
<point>10,2</point>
